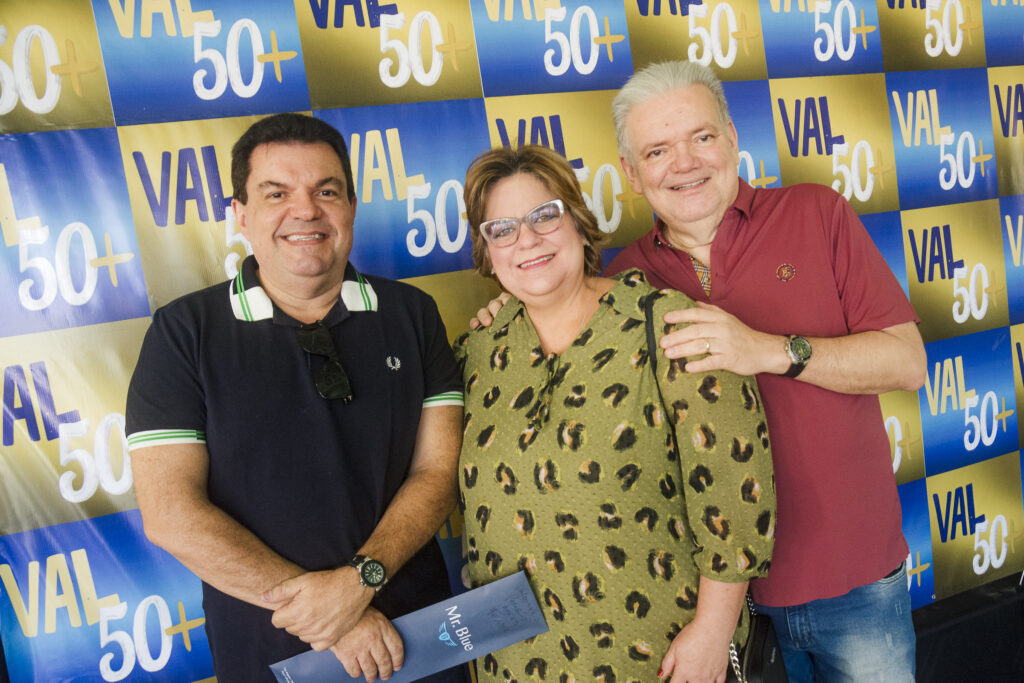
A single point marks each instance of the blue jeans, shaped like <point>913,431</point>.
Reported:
<point>864,635</point>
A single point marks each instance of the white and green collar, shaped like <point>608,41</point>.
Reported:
<point>250,302</point>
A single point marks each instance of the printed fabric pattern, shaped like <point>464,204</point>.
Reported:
<point>569,471</point>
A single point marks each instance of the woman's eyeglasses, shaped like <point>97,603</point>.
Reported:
<point>543,219</point>
<point>330,378</point>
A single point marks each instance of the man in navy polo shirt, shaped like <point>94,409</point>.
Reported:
<point>294,432</point>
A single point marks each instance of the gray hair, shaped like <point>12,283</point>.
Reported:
<point>655,80</point>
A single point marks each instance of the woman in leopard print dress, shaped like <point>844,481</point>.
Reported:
<point>638,548</point>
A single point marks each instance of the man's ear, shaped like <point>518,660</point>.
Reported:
<point>733,137</point>
<point>631,175</point>
<point>238,208</point>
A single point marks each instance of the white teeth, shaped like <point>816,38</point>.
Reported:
<point>689,185</point>
<point>535,261</point>
<point>305,238</point>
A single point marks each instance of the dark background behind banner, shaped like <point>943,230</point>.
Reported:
<point>116,122</point>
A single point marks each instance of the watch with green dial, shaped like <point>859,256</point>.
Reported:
<point>799,351</point>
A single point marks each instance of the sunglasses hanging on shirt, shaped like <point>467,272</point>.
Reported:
<point>330,378</point>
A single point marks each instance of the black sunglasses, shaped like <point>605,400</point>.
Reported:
<point>330,378</point>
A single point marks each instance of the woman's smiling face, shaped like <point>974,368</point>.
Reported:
<point>536,266</point>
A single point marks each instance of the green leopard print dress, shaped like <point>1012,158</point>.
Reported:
<point>569,471</point>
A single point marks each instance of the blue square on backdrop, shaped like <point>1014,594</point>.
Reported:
<point>227,66</point>
<point>81,265</point>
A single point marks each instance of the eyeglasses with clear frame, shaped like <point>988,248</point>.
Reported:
<point>542,219</point>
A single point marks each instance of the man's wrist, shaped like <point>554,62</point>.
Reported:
<point>350,584</point>
<point>715,631</point>
<point>776,360</point>
<point>798,351</point>
<point>370,572</point>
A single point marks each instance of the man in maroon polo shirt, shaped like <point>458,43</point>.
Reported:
<point>791,288</point>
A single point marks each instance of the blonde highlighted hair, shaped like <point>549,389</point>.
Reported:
<point>655,80</point>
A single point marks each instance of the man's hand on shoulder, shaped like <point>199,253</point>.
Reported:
<point>717,340</point>
<point>372,648</point>
<point>319,607</point>
<point>866,362</point>
<point>485,316</point>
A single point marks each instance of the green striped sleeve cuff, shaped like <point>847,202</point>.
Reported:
<point>164,437</point>
<point>448,398</point>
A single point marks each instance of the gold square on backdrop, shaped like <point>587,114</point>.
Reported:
<point>812,113</point>
<point>52,54</point>
<point>426,52</point>
<point>935,241</point>
<point>967,551</point>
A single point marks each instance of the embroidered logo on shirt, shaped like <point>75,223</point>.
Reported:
<point>394,363</point>
<point>786,272</point>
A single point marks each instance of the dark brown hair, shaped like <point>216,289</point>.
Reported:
<point>285,128</point>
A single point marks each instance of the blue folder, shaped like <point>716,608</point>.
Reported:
<point>446,634</point>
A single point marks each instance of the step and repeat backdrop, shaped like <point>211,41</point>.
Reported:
<point>116,123</point>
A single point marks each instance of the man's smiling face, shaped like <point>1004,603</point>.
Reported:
<point>685,158</point>
<point>298,217</point>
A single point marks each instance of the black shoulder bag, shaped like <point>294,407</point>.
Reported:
<point>759,660</point>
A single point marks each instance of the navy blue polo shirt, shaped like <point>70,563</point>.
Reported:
<point>311,477</point>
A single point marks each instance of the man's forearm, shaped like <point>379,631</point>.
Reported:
<point>416,513</point>
<point>321,607</point>
<point>177,515</point>
<point>868,362</point>
<point>427,497</point>
<point>222,552</point>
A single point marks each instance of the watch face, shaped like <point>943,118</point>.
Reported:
<point>799,349</point>
<point>372,573</point>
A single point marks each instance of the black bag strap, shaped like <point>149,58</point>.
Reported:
<point>652,353</point>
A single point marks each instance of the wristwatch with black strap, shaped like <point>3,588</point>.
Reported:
<point>371,572</point>
<point>799,351</point>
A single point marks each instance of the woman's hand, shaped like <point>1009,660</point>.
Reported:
<point>696,655</point>
<point>700,652</point>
